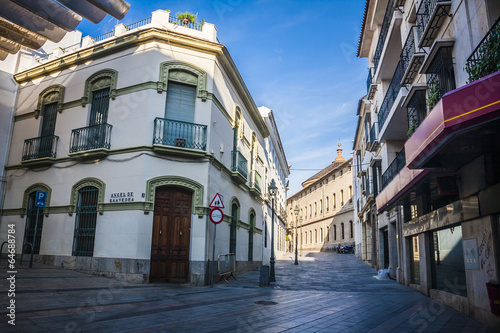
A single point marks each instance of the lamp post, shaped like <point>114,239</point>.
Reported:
<point>296,210</point>
<point>272,192</point>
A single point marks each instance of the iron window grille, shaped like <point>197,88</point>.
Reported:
<point>239,163</point>
<point>29,231</point>
<point>85,223</point>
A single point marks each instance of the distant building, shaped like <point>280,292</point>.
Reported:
<point>325,218</point>
<point>131,135</point>
<point>427,148</point>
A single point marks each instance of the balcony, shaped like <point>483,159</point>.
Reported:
<point>430,17</point>
<point>440,75</point>
<point>374,137</point>
<point>390,96</point>
<point>371,86</point>
<point>416,110</point>
<point>485,59</point>
<point>368,141</point>
<point>95,138</point>
<point>389,11</point>
<point>182,135</point>
<point>256,182</point>
<point>239,167</point>
<point>394,168</point>
<point>40,150</point>
<point>412,58</point>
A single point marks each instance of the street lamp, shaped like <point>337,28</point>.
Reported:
<point>272,192</point>
<point>296,210</point>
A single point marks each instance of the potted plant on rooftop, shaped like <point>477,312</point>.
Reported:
<point>186,17</point>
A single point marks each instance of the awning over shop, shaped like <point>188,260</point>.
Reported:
<point>30,23</point>
<point>458,128</point>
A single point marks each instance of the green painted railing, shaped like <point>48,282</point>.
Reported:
<point>240,163</point>
<point>180,134</point>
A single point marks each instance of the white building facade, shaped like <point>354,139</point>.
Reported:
<point>131,135</point>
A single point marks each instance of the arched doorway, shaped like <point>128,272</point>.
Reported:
<point>171,234</point>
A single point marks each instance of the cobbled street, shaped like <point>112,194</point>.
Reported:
<point>326,292</point>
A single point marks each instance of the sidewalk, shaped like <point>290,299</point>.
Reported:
<point>326,292</point>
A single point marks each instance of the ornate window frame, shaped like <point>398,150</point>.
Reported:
<point>90,181</point>
<point>31,189</point>
<point>197,188</point>
<point>102,79</point>
<point>51,94</point>
<point>183,72</point>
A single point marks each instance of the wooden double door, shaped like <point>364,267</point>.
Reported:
<point>171,235</point>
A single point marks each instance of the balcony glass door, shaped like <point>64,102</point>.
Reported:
<point>47,130</point>
<point>181,99</point>
<point>98,116</point>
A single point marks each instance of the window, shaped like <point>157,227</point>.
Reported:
<point>352,229</point>
<point>31,221</point>
<point>233,227</point>
<point>327,234</point>
<point>315,209</point>
<point>321,234</point>
<point>311,236</point>
<point>342,230</point>
<point>310,210</point>
<point>85,223</point>
<point>321,206</point>
<point>315,235</point>
<point>350,192</point>
<point>265,233</point>
<point>251,222</point>
<point>448,261</point>
<point>99,107</point>
<point>327,204</point>
<point>334,201</point>
<point>414,260</point>
<point>334,232</point>
<point>341,197</point>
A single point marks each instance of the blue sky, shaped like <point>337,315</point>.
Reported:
<point>298,58</point>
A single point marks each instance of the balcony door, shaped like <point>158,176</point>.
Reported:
<point>179,110</point>
<point>96,135</point>
<point>47,131</point>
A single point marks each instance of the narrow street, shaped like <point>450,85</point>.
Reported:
<point>326,292</point>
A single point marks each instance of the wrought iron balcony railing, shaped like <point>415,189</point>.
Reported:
<point>374,136</point>
<point>239,163</point>
<point>369,80</point>
<point>430,16</point>
<point>190,25</point>
<point>411,57</point>
<point>440,76</point>
<point>389,11</point>
<point>180,134</point>
<point>485,59</point>
<point>256,180</point>
<point>90,137</point>
<point>394,168</point>
<point>416,111</point>
<point>390,95</point>
<point>40,147</point>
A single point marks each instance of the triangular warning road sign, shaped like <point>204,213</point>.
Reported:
<point>216,202</point>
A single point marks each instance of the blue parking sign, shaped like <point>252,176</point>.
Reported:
<point>40,198</point>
